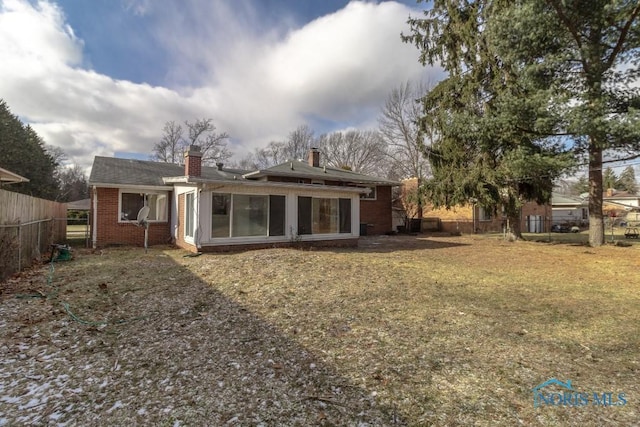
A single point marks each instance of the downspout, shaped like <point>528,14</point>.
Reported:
<point>94,228</point>
<point>197,231</point>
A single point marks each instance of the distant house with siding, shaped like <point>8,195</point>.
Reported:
<point>569,210</point>
<point>623,205</point>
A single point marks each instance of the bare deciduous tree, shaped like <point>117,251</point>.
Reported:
<point>356,150</point>
<point>213,145</point>
<point>73,184</point>
<point>273,154</point>
<point>201,132</point>
<point>399,126</point>
<point>299,143</point>
<point>170,148</point>
<point>296,147</point>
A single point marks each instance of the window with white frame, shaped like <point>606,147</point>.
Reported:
<point>323,215</point>
<point>220,215</point>
<point>131,203</point>
<point>247,215</point>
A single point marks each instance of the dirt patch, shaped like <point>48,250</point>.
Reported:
<point>412,330</point>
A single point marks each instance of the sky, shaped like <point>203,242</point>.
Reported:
<point>102,77</point>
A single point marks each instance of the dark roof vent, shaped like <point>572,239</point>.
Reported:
<point>220,166</point>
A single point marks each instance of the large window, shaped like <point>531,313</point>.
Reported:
<point>220,215</point>
<point>323,215</point>
<point>131,203</point>
<point>189,214</point>
<point>243,215</point>
<point>249,215</point>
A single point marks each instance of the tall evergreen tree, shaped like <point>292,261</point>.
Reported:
<point>481,151</point>
<point>609,179</point>
<point>23,152</point>
<point>565,64</point>
<point>627,180</point>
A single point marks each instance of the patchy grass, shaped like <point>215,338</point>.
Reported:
<point>615,236</point>
<point>404,330</point>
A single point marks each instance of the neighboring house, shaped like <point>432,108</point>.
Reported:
<point>621,205</point>
<point>622,198</point>
<point>569,210</point>
<point>478,219</point>
<point>79,205</point>
<point>203,208</point>
<point>473,218</point>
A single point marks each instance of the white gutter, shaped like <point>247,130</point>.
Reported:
<point>94,231</point>
<point>132,186</point>
<point>224,183</point>
<point>197,230</point>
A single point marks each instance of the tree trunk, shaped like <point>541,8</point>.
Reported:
<point>420,198</point>
<point>596,219</point>
<point>514,232</point>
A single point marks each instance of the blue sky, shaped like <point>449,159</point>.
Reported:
<point>101,77</point>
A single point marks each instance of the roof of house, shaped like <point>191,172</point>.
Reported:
<point>296,168</point>
<point>10,177</point>
<point>111,170</point>
<point>618,194</point>
<point>116,171</point>
<point>559,200</point>
<point>79,205</point>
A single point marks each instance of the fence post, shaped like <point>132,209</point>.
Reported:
<point>19,247</point>
<point>39,231</point>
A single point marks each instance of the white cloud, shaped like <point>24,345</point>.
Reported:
<point>257,83</point>
<point>37,34</point>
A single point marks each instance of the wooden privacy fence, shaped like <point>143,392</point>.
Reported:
<point>28,226</point>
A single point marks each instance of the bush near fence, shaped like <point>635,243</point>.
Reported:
<point>28,226</point>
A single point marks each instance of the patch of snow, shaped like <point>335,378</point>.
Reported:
<point>33,402</point>
<point>115,406</point>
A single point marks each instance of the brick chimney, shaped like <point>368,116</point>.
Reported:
<point>314,157</point>
<point>193,161</point>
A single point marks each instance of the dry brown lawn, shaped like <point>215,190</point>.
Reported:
<point>428,330</point>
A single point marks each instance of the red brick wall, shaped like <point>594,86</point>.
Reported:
<point>111,232</point>
<point>377,213</point>
<point>193,163</point>
<point>532,208</point>
<point>460,219</point>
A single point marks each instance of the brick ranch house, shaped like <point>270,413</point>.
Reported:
<point>470,218</point>
<point>202,208</point>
